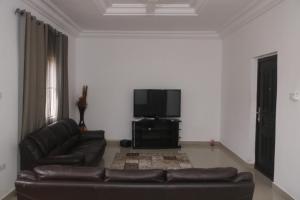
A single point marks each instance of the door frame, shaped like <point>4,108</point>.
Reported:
<point>253,106</point>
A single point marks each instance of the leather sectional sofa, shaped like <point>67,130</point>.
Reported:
<point>62,144</point>
<point>95,183</point>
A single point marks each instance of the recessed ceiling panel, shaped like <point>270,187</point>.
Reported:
<point>149,7</point>
<point>152,15</point>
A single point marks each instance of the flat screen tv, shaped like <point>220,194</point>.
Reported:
<point>157,103</point>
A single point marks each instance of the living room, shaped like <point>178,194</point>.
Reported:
<point>211,56</point>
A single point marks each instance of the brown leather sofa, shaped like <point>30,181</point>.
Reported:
<point>62,143</point>
<point>95,183</point>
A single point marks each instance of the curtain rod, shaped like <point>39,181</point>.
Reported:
<point>19,11</point>
<point>22,12</point>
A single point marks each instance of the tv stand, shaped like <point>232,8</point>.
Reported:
<point>155,133</point>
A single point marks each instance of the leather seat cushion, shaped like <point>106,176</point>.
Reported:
<point>201,175</point>
<point>60,172</point>
<point>92,135</point>
<point>67,159</point>
<point>134,175</point>
<point>87,146</point>
<point>27,175</point>
<point>90,149</point>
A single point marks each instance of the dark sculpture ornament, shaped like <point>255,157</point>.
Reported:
<point>82,105</point>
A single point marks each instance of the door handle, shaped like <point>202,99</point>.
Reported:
<point>258,115</point>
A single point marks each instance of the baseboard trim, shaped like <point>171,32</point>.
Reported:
<point>205,143</point>
<point>281,192</point>
<point>113,142</point>
<point>9,195</point>
<point>247,165</point>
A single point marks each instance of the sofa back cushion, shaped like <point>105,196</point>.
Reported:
<point>45,139</point>
<point>72,126</point>
<point>60,132</point>
<point>202,175</point>
<point>157,176</point>
<point>60,172</point>
<point>66,146</point>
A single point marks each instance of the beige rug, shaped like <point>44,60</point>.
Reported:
<point>151,161</point>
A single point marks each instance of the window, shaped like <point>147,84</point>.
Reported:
<point>51,89</point>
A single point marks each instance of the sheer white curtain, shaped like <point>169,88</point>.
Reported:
<point>51,89</point>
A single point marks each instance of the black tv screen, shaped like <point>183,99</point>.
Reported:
<point>157,103</point>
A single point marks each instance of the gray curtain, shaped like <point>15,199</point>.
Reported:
<point>33,66</point>
<point>63,107</point>
<point>41,46</point>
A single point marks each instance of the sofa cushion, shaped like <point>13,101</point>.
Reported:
<point>72,126</point>
<point>65,147</point>
<point>201,175</point>
<point>134,175</point>
<point>27,175</point>
<point>92,135</point>
<point>29,149</point>
<point>90,149</point>
<point>60,132</point>
<point>45,139</point>
<point>60,172</point>
<point>67,159</point>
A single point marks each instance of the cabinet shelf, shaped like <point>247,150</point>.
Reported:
<point>155,133</point>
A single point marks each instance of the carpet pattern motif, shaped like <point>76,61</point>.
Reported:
<point>151,161</point>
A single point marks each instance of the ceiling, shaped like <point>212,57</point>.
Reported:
<point>152,15</point>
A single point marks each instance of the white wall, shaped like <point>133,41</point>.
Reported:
<point>112,68</point>
<point>277,30</point>
<point>9,89</point>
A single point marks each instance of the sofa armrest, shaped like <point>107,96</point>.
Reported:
<point>71,159</point>
<point>92,135</point>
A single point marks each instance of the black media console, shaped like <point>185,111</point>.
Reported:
<point>155,133</point>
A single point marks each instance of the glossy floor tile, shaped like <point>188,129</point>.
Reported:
<point>203,156</point>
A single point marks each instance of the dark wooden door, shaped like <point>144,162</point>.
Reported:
<point>266,115</point>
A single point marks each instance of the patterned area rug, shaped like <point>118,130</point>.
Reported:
<point>151,161</point>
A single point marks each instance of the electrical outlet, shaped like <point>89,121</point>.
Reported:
<point>295,96</point>
<point>2,167</point>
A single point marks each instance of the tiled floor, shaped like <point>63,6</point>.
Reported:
<point>201,155</point>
